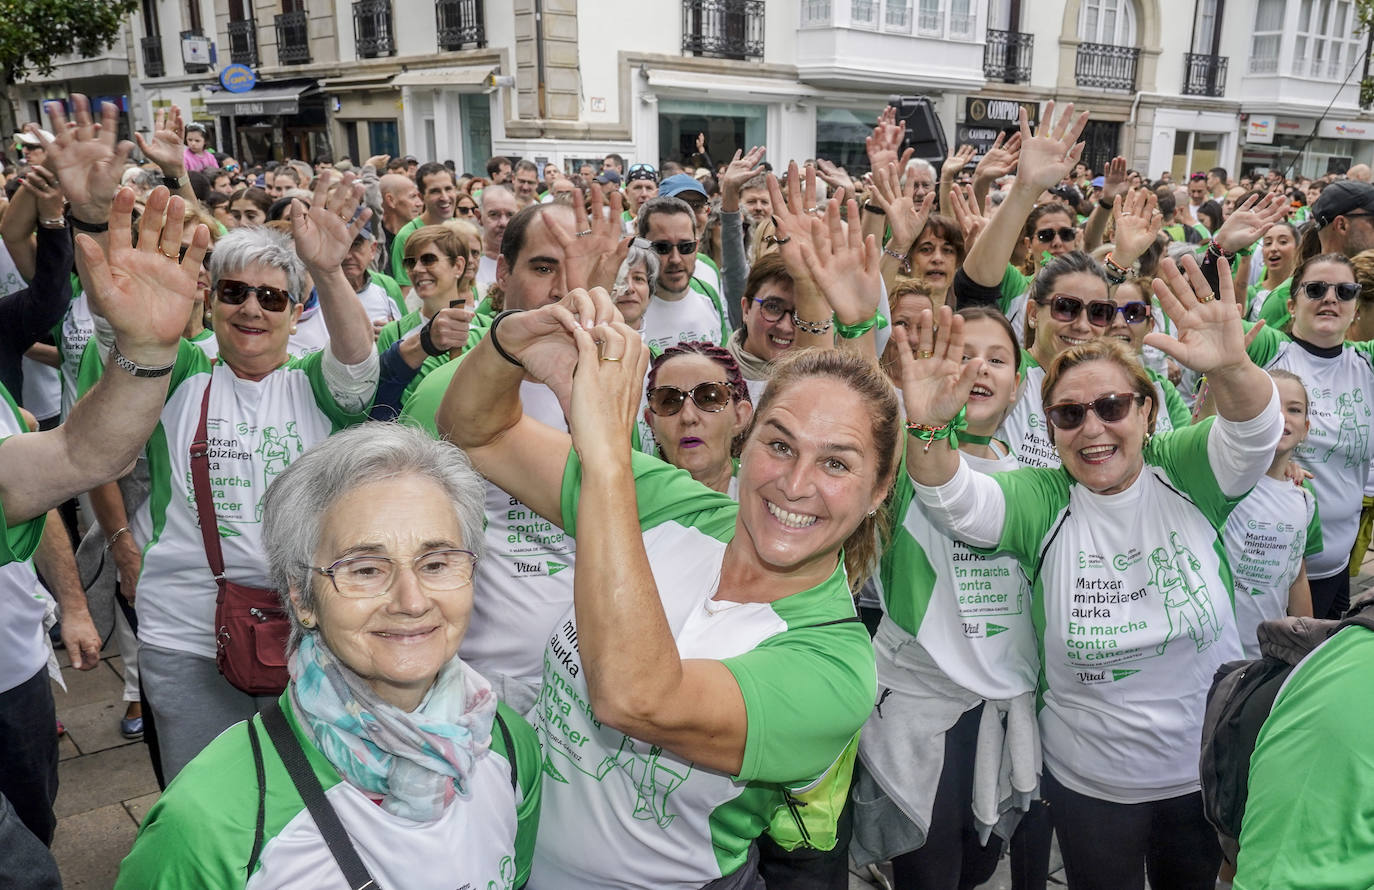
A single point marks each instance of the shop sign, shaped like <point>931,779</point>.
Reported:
<point>1260,128</point>
<point>195,50</point>
<point>1362,130</point>
<point>1289,127</point>
<point>1000,114</point>
<point>237,78</point>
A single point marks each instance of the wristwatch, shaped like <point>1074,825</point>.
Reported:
<point>139,370</point>
<point>173,182</point>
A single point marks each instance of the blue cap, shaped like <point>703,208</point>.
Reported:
<point>1099,181</point>
<point>679,183</point>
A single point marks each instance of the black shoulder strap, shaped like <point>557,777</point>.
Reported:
<point>312,793</point>
<point>1040,560</point>
<point>510,753</point>
<point>262,799</point>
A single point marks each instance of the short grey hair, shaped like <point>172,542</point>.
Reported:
<point>918,164</point>
<point>244,247</point>
<point>493,189</point>
<point>297,500</point>
<point>639,255</point>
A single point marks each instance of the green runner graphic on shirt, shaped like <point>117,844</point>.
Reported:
<point>1352,438</point>
<point>1178,578</point>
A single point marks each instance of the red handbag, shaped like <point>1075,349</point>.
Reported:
<point>251,627</point>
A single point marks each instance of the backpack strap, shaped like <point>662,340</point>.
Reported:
<point>312,793</point>
<point>262,799</point>
<point>510,752</point>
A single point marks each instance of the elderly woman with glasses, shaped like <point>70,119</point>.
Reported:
<point>1132,592</point>
<point>249,414</point>
<point>371,539</point>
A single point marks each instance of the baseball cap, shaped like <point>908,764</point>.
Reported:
<point>23,137</point>
<point>1341,198</point>
<point>1099,181</point>
<point>609,176</point>
<point>678,183</point>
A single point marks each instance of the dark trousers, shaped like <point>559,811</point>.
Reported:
<point>805,869</point>
<point>1112,846</point>
<point>24,862</point>
<point>28,753</point>
<point>1330,596</point>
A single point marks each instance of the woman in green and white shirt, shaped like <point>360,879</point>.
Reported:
<point>1131,603</point>
<point>712,656</point>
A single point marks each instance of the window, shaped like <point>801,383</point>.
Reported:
<point>1268,34</point>
<point>475,109</point>
<point>150,23</point>
<point>1206,26</point>
<point>864,13</point>
<point>381,137</point>
<point>815,13</point>
<point>931,19</point>
<point>1109,22</point>
<point>192,18</point>
<point>1323,47</point>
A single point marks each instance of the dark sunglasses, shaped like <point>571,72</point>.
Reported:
<point>424,259</point>
<point>772,308</point>
<point>465,210</point>
<point>181,254</point>
<point>684,248</point>
<point>1066,234</point>
<point>1101,313</point>
<point>1109,409</point>
<point>665,401</point>
<point>271,299</point>
<point>1345,290</point>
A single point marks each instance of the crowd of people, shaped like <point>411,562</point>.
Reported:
<point>683,526</point>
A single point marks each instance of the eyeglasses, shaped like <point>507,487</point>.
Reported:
<point>1345,290</point>
<point>1109,409</point>
<point>424,259</point>
<point>1066,234</point>
<point>772,308</point>
<point>665,401</point>
<point>271,299</point>
<point>1101,313</point>
<point>465,209</point>
<point>684,248</point>
<point>363,577</point>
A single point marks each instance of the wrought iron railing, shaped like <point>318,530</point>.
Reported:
<point>723,29</point>
<point>373,32</point>
<point>1204,74</point>
<point>1007,56</point>
<point>243,41</point>
<point>1105,66</point>
<point>293,38</point>
<point>460,24</point>
<point>152,56</point>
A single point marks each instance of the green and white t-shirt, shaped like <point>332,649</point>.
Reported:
<point>200,832</point>
<point>256,429</point>
<point>1171,411</point>
<point>71,336</point>
<point>1267,536</point>
<point>411,323</point>
<point>1340,394</point>
<point>619,813</point>
<point>525,581</point>
<point>1025,428</point>
<point>1132,603</point>
<point>970,611</point>
<point>398,250</point>
<point>23,644</point>
<point>694,317</point>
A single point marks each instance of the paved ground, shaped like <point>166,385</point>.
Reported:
<point>107,785</point>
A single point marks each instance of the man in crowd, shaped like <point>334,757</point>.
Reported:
<point>439,192</point>
<point>526,183</point>
<point>496,206</point>
<point>614,162</point>
<point>498,170</point>
<point>641,184</point>
<point>705,274</point>
<point>1198,193</point>
<point>681,308</point>
<point>379,293</point>
<point>1217,179</point>
<point>754,200</point>
<point>401,203</point>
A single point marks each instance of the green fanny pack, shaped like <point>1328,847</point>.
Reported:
<point>809,817</point>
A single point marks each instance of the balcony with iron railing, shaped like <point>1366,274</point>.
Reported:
<point>243,42</point>
<point>1204,74</point>
<point>1106,67</point>
<point>460,24</point>
<point>374,32</point>
<point>152,56</point>
<point>293,38</point>
<point>1007,56</point>
<point>723,29</point>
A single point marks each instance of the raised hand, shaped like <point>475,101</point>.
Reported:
<point>904,216</point>
<point>86,156</point>
<point>1000,160</point>
<point>936,380</point>
<point>791,220</point>
<point>542,339</point>
<point>1250,220</point>
<point>595,248</point>
<point>1048,155</point>
<point>844,264</point>
<point>1138,221</point>
<point>1114,180</point>
<point>742,168</point>
<point>324,233</point>
<point>1209,332</point>
<point>448,329</point>
<point>886,140</point>
<point>167,147</point>
<point>41,183</point>
<point>837,178</point>
<point>958,159</point>
<point>145,292</point>
<point>969,217</point>
<point>607,389</point>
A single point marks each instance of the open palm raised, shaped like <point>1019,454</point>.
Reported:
<point>1209,332</point>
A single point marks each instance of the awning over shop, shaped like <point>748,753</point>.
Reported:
<point>354,83</point>
<point>723,85</point>
<point>467,76</point>
<point>261,100</point>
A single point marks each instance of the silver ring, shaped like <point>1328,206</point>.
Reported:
<point>777,240</point>
<point>584,234</point>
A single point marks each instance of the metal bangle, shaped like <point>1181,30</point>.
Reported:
<point>812,327</point>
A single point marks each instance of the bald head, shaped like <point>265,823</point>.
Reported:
<point>401,200</point>
<point>1359,172</point>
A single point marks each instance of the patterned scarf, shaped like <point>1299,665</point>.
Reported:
<point>416,763</point>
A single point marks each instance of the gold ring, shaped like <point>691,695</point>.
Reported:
<point>609,358</point>
<point>1206,298</point>
<point>170,256</point>
<point>925,353</point>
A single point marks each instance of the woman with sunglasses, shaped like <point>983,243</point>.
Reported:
<point>259,409</point>
<point>712,656</point>
<point>465,207</point>
<point>1340,382</point>
<point>1132,589</point>
<point>956,653</point>
<point>698,407</point>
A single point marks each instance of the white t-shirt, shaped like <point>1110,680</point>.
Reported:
<point>1267,536</point>
<point>1025,428</point>
<point>486,273</point>
<point>42,389</point>
<point>23,646</point>
<point>78,326</point>
<point>10,279</point>
<point>669,322</point>
<point>311,334</point>
<point>378,303</point>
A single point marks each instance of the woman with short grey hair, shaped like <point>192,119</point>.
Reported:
<point>371,537</point>
<point>635,283</point>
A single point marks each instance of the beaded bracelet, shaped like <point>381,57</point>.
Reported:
<point>1218,251</point>
<point>855,331</point>
<point>812,327</point>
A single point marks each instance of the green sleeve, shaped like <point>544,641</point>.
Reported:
<point>806,692</point>
<point>20,539</point>
<point>1014,284</point>
<point>663,493</point>
<point>422,403</point>
<point>529,769</point>
<point>1034,497</point>
<point>393,290</point>
<point>1182,455</point>
<point>91,369</point>
<point>1265,347</point>
<point>1179,414</point>
<point>1275,309</point>
<point>312,366</point>
<point>391,331</point>
<point>1314,523</point>
<point>398,252</point>
<point>484,308</point>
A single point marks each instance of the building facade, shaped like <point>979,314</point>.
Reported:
<point>1176,85</point>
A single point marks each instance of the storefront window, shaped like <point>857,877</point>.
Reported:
<point>1320,157</point>
<point>840,134</point>
<point>1194,153</point>
<point>475,109</point>
<point>383,138</point>
<point>726,126</point>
